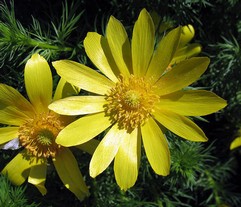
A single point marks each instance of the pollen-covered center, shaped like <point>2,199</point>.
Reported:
<point>38,135</point>
<point>130,102</point>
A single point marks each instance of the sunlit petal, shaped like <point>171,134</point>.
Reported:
<point>126,161</point>
<point>119,45</point>
<point>156,147</point>
<point>14,108</point>
<point>235,143</point>
<point>182,75</point>
<point>143,40</point>
<point>83,77</point>
<point>78,105</point>
<point>106,150</point>
<point>97,49</point>
<point>8,133</point>
<point>83,129</point>
<point>192,102</point>
<point>38,82</point>
<point>68,171</point>
<point>180,125</point>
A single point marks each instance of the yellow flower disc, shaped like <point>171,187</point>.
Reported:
<point>38,135</point>
<point>130,102</point>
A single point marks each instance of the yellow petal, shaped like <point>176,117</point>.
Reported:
<point>18,168</point>
<point>182,75</point>
<point>14,108</point>
<point>65,89</point>
<point>89,146</point>
<point>192,102</point>
<point>126,161</point>
<point>106,150</point>
<point>83,130</point>
<point>38,82</point>
<point>68,171</point>
<point>8,133</point>
<point>186,52</point>
<point>235,143</point>
<point>119,45</point>
<point>187,34</point>
<point>143,40</point>
<point>78,105</point>
<point>180,125</point>
<point>83,77</point>
<point>156,147</point>
<point>164,54</point>
<point>37,177</point>
<point>97,49</point>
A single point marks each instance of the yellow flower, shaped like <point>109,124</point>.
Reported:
<point>236,142</point>
<point>133,98</point>
<point>37,127</point>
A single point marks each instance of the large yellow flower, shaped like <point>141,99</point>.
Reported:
<point>37,127</point>
<point>133,98</point>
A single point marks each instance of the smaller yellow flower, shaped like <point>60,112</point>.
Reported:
<point>36,127</point>
<point>236,142</point>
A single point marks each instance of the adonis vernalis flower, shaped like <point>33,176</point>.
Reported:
<point>236,142</point>
<point>36,128</point>
<point>132,98</point>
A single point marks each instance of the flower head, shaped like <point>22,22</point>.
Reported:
<point>132,98</point>
<point>36,128</point>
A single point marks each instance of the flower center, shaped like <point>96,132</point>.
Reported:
<point>130,102</point>
<point>38,134</point>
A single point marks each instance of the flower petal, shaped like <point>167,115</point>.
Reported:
<point>37,177</point>
<point>65,89</point>
<point>8,133</point>
<point>78,105</point>
<point>235,143</point>
<point>18,168</point>
<point>119,45</point>
<point>156,147</point>
<point>83,129</point>
<point>192,102</point>
<point>11,145</point>
<point>126,160</point>
<point>182,75</point>
<point>89,146</point>
<point>164,54</point>
<point>38,82</point>
<point>187,34</point>
<point>97,49</point>
<point>143,40</point>
<point>106,150</point>
<point>14,108</point>
<point>68,171</point>
<point>180,125</point>
<point>82,76</point>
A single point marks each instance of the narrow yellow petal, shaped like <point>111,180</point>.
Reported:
<point>192,102</point>
<point>38,82</point>
<point>156,147</point>
<point>78,105</point>
<point>164,54</point>
<point>14,108</point>
<point>83,129</point>
<point>83,77</point>
<point>65,89</point>
<point>235,143</point>
<point>18,168</point>
<point>187,34</point>
<point>126,161</point>
<point>119,45</point>
<point>97,49</point>
<point>143,40</point>
<point>68,171</point>
<point>89,146</point>
<point>180,125</point>
<point>106,150</point>
<point>182,75</point>
<point>37,177</point>
<point>8,133</point>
